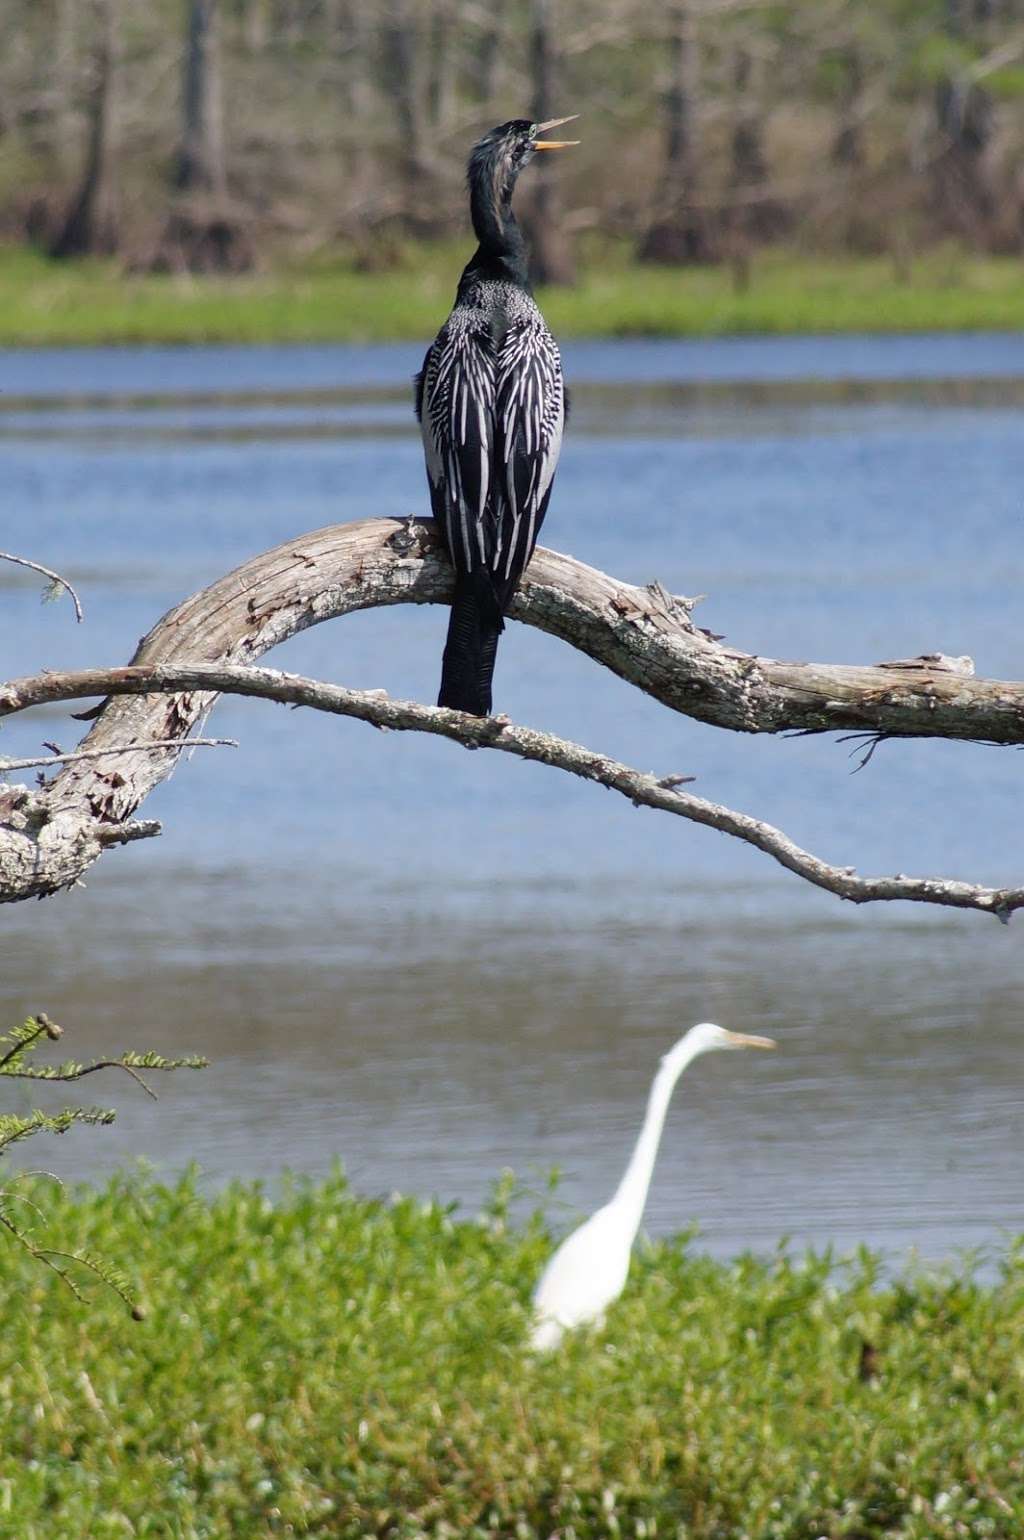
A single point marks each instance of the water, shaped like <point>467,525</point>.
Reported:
<point>433,964</point>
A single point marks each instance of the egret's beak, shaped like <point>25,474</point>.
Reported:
<point>555,144</point>
<point>741,1040</point>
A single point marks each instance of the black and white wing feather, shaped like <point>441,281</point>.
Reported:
<point>491,414</point>
<point>456,405</point>
<point>530,415</point>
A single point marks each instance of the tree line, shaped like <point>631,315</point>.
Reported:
<point>219,134</point>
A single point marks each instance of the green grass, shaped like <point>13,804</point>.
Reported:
<point>44,302</point>
<point>328,1366</point>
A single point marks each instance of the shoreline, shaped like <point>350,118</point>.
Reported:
<point>49,304</point>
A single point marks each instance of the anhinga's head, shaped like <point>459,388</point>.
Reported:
<point>497,160</point>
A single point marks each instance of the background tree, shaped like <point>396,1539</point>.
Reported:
<point>93,223</point>
<point>543,214</point>
<point>847,123</point>
<point>204,230</point>
<point>678,232</point>
<point>201,164</point>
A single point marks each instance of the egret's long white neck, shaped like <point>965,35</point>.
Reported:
<point>631,1193</point>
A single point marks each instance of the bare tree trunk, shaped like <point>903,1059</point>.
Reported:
<point>748,172</point>
<point>64,112</point>
<point>756,216</point>
<point>678,232</point>
<point>490,54</point>
<point>358,96</point>
<point>749,168</point>
<point>403,63</point>
<point>441,83</point>
<point>406,40</point>
<point>956,17</point>
<point>965,115</point>
<point>201,164</point>
<point>255,25</point>
<point>552,258</point>
<point>288,22</point>
<point>93,222</point>
<point>848,144</point>
<point>203,233</point>
<point>331,21</point>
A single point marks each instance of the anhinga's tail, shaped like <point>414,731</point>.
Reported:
<point>473,630</point>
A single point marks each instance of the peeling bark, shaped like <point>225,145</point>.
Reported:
<point>49,837</point>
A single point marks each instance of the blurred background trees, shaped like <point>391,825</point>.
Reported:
<point>219,134</point>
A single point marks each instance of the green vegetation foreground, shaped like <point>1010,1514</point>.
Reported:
<point>48,303</point>
<point>331,1366</point>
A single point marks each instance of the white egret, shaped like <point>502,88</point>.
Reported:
<point>589,1269</point>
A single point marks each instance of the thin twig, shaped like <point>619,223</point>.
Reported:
<point>10,1196</point>
<point>52,1077</point>
<point>55,577</point>
<point>41,1255</point>
<point>129,748</point>
<point>642,789</point>
<point>18,1048</point>
<point>88,1069</point>
<point>865,745</point>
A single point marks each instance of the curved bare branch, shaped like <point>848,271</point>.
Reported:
<point>643,634</point>
<point>56,581</point>
<point>643,790</point>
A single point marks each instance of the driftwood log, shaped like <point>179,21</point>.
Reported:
<point>50,835</point>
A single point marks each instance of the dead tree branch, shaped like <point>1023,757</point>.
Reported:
<point>56,581</point>
<point>178,745</point>
<point>48,838</point>
<point>642,789</point>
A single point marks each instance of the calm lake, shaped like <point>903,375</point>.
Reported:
<point>432,965</point>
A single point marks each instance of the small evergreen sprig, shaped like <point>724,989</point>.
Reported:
<point>17,1047</point>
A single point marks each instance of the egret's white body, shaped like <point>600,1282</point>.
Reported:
<point>589,1269</point>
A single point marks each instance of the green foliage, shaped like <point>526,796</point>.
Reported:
<point>941,56</point>
<point>324,1365</point>
<point>17,1047</point>
<point>14,1128</point>
<point>1007,84</point>
<point>46,303</point>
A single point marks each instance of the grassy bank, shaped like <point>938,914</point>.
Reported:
<point>45,303</point>
<point>331,1367</point>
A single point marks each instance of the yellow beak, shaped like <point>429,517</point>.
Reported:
<point>742,1040</point>
<point>555,144</point>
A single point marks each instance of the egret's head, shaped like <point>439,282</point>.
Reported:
<point>500,156</point>
<point>705,1037</point>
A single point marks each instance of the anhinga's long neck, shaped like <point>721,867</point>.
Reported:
<point>631,1193</point>
<point>502,247</point>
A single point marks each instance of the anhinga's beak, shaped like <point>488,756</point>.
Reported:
<point>555,144</point>
<point>742,1040</point>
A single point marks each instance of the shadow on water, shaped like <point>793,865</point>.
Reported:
<point>432,965</point>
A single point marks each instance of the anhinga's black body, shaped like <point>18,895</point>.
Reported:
<point>491,406</point>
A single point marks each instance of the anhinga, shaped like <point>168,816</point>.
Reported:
<point>491,406</point>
